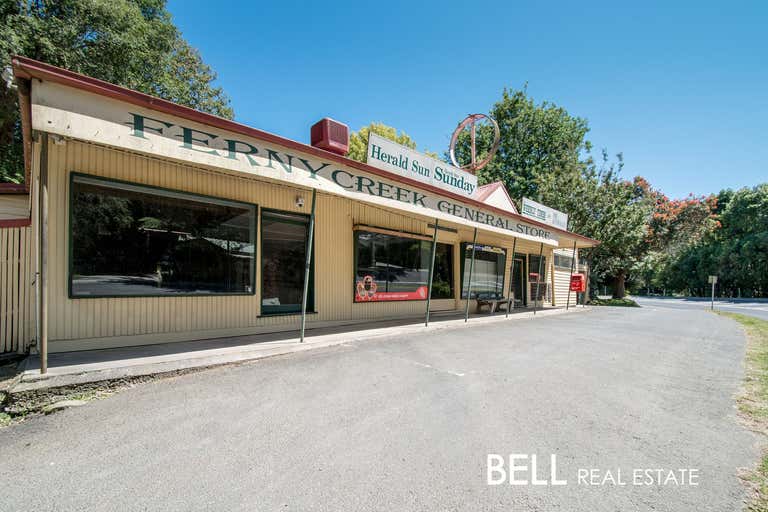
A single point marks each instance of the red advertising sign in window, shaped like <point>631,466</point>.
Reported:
<point>366,290</point>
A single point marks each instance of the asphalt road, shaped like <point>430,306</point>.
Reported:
<point>758,309</point>
<point>407,424</point>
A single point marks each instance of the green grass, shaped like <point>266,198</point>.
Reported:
<point>753,401</point>
<point>625,303</point>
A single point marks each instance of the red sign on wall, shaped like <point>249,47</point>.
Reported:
<point>578,283</point>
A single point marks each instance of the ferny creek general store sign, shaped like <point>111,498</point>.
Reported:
<point>82,115</point>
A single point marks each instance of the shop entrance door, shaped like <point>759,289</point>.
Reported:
<point>518,282</point>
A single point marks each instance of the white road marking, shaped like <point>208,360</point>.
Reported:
<point>457,374</point>
<point>423,365</point>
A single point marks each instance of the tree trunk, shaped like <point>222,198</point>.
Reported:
<point>619,290</point>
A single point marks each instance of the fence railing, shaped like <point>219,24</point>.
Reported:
<point>16,289</point>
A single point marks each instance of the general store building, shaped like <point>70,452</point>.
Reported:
<point>142,221</point>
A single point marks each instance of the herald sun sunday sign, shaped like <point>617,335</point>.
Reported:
<point>393,157</point>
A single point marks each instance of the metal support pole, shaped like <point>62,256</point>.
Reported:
<point>585,295</point>
<point>307,265</point>
<point>510,292</point>
<point>712,304</point>
<point>469,281</point>
<point>573,263</point>
<point>431,273</point>
<point>42,224</point>
<point>538,279</point>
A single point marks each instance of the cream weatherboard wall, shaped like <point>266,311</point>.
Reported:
<point>98,322</point>
<point>101,322</point>
<point>562,279</point>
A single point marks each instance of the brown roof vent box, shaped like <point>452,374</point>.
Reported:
<point>331,136</point>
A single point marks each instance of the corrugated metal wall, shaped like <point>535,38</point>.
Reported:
<point>16,290</point>
<point>101,322</point>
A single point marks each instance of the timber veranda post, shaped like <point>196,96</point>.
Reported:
<point>431,273</point>
<point>510,292</point>
<point>469,280</point>
<point>42,248</point>
<point>307,265</point>
<point>538,279</point>
<point>573,262</point>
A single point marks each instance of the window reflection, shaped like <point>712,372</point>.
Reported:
<point>133,240</point>
<point>283,258</point>
<point>391,268</point>
<point>487,272</point>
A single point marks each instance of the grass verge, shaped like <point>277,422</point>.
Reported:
<point>753,401</point>
<point>625,303</point>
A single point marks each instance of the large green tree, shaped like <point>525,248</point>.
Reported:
<point>733,246</point>
<point>542,152</point>
<point>544,155</point>
<point>616,212</point>
<point>676,225</point>
<point>132,43</point>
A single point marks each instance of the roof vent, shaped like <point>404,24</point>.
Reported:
<point>331,136</point>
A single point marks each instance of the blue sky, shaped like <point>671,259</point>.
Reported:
<point>681,88</point>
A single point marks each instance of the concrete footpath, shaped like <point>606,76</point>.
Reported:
<point>80,367</point>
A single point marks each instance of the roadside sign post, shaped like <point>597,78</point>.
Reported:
<point>713,281</point>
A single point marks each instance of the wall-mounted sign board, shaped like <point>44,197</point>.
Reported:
<point>393,157</point>
<point>542,213</point>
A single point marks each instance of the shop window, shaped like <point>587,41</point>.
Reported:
<point>537,281</point>
<point>442,279</point>
<point>283,259</point>
<point>533,265</point>
<point>562,262</point>
<point>393,268</point>
<point>130,240</point>
<point>487,273</point>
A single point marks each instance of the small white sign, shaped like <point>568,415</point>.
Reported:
<point>545,214</point>
<point>401,160</point>
<point>712,280</point>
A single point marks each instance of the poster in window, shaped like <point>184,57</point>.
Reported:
<point>392,268</point>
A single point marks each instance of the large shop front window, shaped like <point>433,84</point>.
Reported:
<point>392,268</point>
<point>132,240</point>
<point>283,259</point>
<point>487,272</point>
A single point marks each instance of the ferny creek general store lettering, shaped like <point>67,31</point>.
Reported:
<point>265,158</point>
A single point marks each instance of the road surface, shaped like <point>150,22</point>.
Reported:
<point>758,309</point>
<point>408,424</point>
